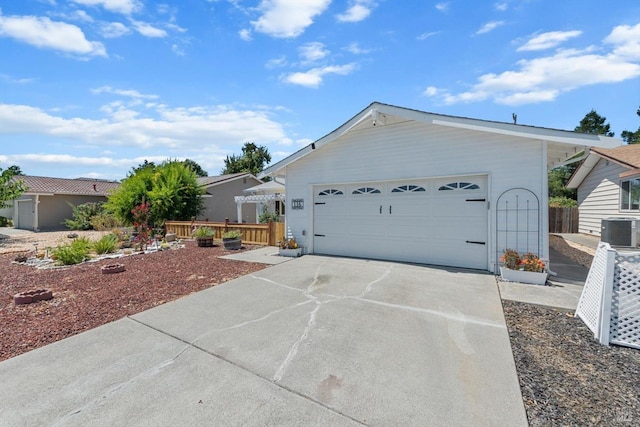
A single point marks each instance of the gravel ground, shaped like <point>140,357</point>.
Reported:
<point>566,377</point>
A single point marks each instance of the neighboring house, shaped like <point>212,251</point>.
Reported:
<point>608,183</point>
<point>399,184</point>
<point>46,203</point>
<point>268,195</point>
<point>219,196</point>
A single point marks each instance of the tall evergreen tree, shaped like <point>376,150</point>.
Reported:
<point>594,123</point>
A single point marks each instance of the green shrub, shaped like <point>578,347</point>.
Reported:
<point>72,253</point>
<point>232,234</point>
<point>106,245</point>
<point>203,232</point>
<point>4,222</point>
<point>562,202</point>
<point>105,221</point>
<point>82,215</point>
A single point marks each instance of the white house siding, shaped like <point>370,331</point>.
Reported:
<point>416,150</point>
<point>599,197</point>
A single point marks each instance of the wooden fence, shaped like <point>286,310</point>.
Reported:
<point>563,220</point>
<point>255,234</point>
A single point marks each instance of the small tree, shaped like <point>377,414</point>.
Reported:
<point>253,160</point>
<point>196,168</point>
<point>10,188</point>
<point>82,215</point>
<point>171,190</point>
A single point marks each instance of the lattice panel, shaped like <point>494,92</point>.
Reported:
<point>589,306</point>
<point>624,328</point>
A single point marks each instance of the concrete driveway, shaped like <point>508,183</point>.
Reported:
<point>314,341</point>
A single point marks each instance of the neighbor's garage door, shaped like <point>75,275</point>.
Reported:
<point>437,221</point>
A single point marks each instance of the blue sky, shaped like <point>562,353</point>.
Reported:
<point>92,88</point>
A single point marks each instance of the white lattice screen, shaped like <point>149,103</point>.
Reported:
<point>610,301</point>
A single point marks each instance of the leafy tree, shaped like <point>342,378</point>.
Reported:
<point>146,165</point>
<point>594,123</point>
<point>196,168</point>
<point>253,160</point>
<point>171,189</point>
<point>10,188</point>
<point>558,178</point>
<point>631,137</point>
<point>15,170</point>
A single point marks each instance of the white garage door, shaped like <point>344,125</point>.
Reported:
<point>437,221</point>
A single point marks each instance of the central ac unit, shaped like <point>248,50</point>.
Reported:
<point>620,231</point>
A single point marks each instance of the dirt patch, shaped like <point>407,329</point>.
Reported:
<point>26,241</point>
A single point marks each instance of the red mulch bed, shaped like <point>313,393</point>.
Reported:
<point>85,298</point>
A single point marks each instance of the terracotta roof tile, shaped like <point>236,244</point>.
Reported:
<point>80,186</point>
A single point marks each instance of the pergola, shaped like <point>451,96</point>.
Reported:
<point>258,200</point>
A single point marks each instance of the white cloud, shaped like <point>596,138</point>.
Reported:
<point>545,78</point>
<point>312,52</point>
<point>501,6</point>
<point>42,32</point>
<point>126,7</point>
<point>7,78</point>
<point>626,42</point>
<point>131,93</point>
<point>154,126</point>
<point>425,36</point>
<point>356,49</point>
<point>489,26</point>
<point>245,35</point>
<point>277,62</point>
<point>288,18</point>
<point>148,30</point>
<point>443,7</point>
<point>313,78</point>
<point>112,30</point>
<point>359,10</point>
<point>548,40</point>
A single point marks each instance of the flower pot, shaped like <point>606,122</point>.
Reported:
<point>204,242</point>
<point>291,252</point>
<point>522,276</point>
<point>233,244</point>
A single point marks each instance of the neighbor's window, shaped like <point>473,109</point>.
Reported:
<point>630,194</point>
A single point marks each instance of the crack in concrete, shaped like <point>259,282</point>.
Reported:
<point>294,349</point>
<point>149,373</point>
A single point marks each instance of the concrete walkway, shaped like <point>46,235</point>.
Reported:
<point>564,288</point>
<point>315,341</point>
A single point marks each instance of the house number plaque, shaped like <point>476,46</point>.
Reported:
<point>297,204</point>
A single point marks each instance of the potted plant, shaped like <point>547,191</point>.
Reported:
<point>289,247</point>
<point>204,236</point>
<point>528,268</point>
<point>232,239</point>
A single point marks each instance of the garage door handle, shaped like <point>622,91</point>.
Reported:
<point>320,203</point>
<point>389,209</point>
<point>319,235</point>
<point>476,243</point>
<point>380,209</point>
<point>476,200</point>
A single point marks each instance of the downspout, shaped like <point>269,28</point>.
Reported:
<point>35,213</point>
<point>544,209</point>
